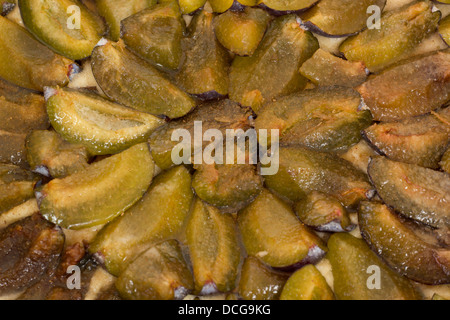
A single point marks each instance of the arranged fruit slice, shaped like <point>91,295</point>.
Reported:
<point>323,119</point>
<point>444,29</point>
<point>29,249</point>
<point>229,187</point>
<point>204,72</point>
<point>101,126</point>
<point>159,215</point>
<point>323,213</point>
<point>272,232</point>
<point>249,3</point>
<point>16,186</point>
<point>410,89</point>
<point>402,249</point>
<point>445,162</point>
<point>213,248</point>
<point>340,18</point>
<point>221,5</point>
<point>302,171</point>
<point>259,282</point>
<point>115,11</point>
<point>241,31</point>
<point>401,31</point>
<point>420,140</point>
<point>135,83</point>
<point>325,69</point>
<point>101,192</point>
<point>189,6</point>
<point>160,273</point>
<point>61,33</point>
<point>283,6</point>
<point>234,5</point>
<point>355,269</point>
<point>155,34</point>
<point>21,110</point>
<point>26,62</point>
<point>419,193</point>
<point>307,284</point>
<point>51,156</point>
<point>220,115</point>
<point>273,69</point>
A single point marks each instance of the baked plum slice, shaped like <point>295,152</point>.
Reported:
<point>272,232</point>
<point>214,250</point>
<point>260,282</point>
<point>160,273</point>
<point>418,193</point>
<point>411,88</point>
<point>99,193</point>
<point>402,246</point>
<point>159,215</point>
<point>340,18</point>
<point>353,263</point>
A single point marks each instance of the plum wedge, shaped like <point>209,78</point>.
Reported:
<point>160,273</point>
<point>242,31</point>
<point>190,6</point>
<point>214,249</point>
<point>307,284</point>
<point>323,213</point>
<point>419,140</point>
<point>133,82</point>
<point>155,34</point>
<point>412,88</point>
<point>401,31</point>
<point>100,125</point>
<point>221,6</point>
<point>99,193</point>
<point>204,70</point>
<point>353,263</point>
<point>404,250</point>
<point>115,11</point>
<point>325,69</point>
<point>322,119</point>
<point>280,7</point>
<point>229,187</point>
<point>303,171</point>
<point>260,282</point>
<point>60,33</point>
<point>272,70</point>
<point>158,216</point>
<point>271,231</point>
<point>419,193</point>
<point>340,18</point>
<point>26,62</point>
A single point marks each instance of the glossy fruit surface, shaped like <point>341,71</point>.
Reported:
<point>99,193</point>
